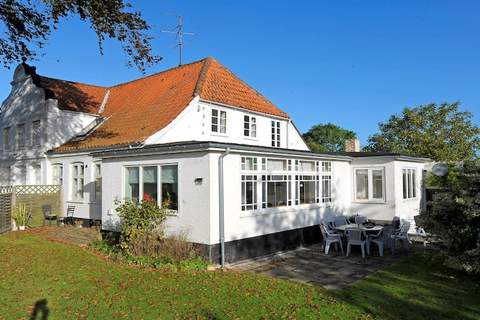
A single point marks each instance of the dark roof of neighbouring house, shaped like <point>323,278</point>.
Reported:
<point>137,109</point>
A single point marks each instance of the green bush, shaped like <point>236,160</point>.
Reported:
<point>21,215</point>
<point>138,220</point>
<point>455,214</point>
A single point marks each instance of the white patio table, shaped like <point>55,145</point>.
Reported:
<point>373,229</point>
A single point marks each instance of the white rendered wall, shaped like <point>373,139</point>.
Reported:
<point>377,210</point>
<point>245,224</point>
<point>408,208</point>
<point>193,199</point>
<point>194,124</point>
<point>89,207</point>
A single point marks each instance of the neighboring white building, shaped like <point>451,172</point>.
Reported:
<point>171,136</point>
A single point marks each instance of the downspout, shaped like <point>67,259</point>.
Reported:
<point>221,209</point>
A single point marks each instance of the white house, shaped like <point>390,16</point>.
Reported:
<point>231,166</point>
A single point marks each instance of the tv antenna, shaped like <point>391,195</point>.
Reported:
<point>178,31</point>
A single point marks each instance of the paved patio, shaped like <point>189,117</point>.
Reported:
<point>312,265</point>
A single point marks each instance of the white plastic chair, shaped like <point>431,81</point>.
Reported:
<point>330,237</point>
<point>340,221</point>
<point>401,234</point>
<point>378,240</point>
<point>356,237</point>
<point>360,219</point>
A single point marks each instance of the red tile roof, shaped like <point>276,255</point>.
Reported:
<point>137,109</point>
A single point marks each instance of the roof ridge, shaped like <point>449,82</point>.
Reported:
<point>202,77</point>
<point>75,82</point>
<point>203,74</point>
<point>156,73</point>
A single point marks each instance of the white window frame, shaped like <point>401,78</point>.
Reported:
<point>57,179</point>
<point>159,183</point>
<point>370,198</point>
<point>20,141</point>
<point>411,187</point>
<point>77,190</point>
<point>249,127</point>
<point>7,138</point>
<point>36,137</point>
<point>33,174</point>
<point>216,121</point>
<point>276,134</point>
<point>301,176</point>
<point>245,179</point>
<point>245,161</point>
<point>269,178</point>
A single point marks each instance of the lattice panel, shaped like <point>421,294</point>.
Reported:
<point>5,212</point>
<point>37,189</point>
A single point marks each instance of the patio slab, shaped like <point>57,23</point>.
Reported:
<point>312,265</point>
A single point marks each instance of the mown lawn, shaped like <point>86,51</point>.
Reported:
<point>74,283</point>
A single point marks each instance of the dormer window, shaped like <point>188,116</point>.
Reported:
<point>219,121</point>
<point>20,136</point>
<point>249,126</point>
<point>276,134</point>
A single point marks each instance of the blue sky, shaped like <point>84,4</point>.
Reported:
<point>352,63</point>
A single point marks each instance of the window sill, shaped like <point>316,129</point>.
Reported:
<point>284,209</point>
<point>250,138</point>
<point>215,134</point>
<point>410,199</point>
<point>370,201</point>
<point>76,201</point>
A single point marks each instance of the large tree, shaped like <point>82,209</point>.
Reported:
<point>440,132</point>
<point>327,138</point>
<point>27,25</point>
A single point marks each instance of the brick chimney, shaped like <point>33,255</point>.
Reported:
<point>352,145</point>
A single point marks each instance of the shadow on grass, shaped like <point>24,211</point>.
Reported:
<point>416,288</point>
<point>40,310</point>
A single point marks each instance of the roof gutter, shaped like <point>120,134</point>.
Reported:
<point>221,206</point>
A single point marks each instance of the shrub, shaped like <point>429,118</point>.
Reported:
<point>21,215</point>
<point>455,214</point>
<point>138,220</point>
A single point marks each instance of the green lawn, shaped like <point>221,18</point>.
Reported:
<point>79,284</point>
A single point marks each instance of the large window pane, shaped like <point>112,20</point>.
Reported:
<point>377,176</point>
<point>170,187</point>
<point>276,193</point>
<point>57,174</point>
<point>249,192</point>
<point>132,184</point>
<point>150,183</point>
<point>307,192</point>
<point>361,178</point>
<point>326,188</point>
<point>98,181</point>
<point>77,181</point>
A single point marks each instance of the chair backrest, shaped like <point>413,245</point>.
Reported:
<point>355,234</point>
<point>340,221</point>
<point>396,222</point>
<point>323,230</point>
<point>70,211</point>
<point>360,219</point>
<point>404,227</point>
<point>46,209</point>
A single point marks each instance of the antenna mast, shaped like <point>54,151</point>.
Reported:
<point>178,31</point>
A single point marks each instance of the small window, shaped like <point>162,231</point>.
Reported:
<point>219,121</point>
<point>249,192</point>
<point>132,184</point>
<point>307,165</point>
<point>249,163</point>
<point>98,181</point>
<point>78,181</point>
<point>276,134</point>
<point>36,133</point>
<point>57,174</point>
<point>326,166</point>
<point>169,180</point>
<point>249,126</point>
<point>377,184</point>
<point>150,183</point>
<point>20,136</point>
<point>6,138</point>
<point>409,184</point>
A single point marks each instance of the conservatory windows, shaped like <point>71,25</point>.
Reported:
<point>369,184</point>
